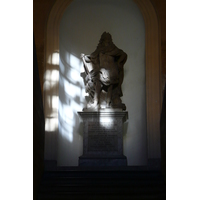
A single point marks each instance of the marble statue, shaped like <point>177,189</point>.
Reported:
<point>104,75</point>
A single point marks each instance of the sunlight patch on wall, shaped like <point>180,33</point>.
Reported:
<point>47,75</point>
<point>51,79</point>
<point>72,86</point>
<point>55,102</point>
<point>53,59</point>
<point>66,131</point>
<point>65,111</point>
<point>46,85</point>
<point>74,62</point>
<point>73,68</point>
<point>51,124</point>
<point>75,75</point>
<point>55,75</point>
<point>52,75</point>
<point>71,89</point>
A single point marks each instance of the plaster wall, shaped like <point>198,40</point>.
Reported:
<point>80,29</point>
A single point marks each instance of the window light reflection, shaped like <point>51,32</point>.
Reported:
<point>53,59</point>
<point>51,124</point>
<point>55,102</point>
<point>72,86</point>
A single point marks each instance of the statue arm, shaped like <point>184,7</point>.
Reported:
<point>86,62</point>
<point>120,54</point>
<point>122,58</point>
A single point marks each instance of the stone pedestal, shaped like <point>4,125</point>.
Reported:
<point>103,138</point>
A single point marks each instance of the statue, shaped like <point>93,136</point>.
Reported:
<point>104,74</point>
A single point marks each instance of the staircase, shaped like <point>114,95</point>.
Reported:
<point>102,184</point>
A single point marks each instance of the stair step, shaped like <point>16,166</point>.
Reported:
<point>102,185</point>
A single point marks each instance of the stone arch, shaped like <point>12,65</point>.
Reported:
<point>51,77</point>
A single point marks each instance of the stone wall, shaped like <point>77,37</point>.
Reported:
<point>38,128</point>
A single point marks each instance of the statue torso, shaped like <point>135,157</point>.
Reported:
<point>108,69</point>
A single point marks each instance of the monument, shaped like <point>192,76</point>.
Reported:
<point>104,114</point>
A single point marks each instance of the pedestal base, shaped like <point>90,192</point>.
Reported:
<point>102,161</point>
<point>103,138</point>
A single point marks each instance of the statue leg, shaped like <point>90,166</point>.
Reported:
<point>108,100</point>
<point>97,93</point>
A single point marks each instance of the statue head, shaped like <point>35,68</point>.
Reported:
<point>106,39</point>
<point>105,44</point>
<point>106,36</point>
